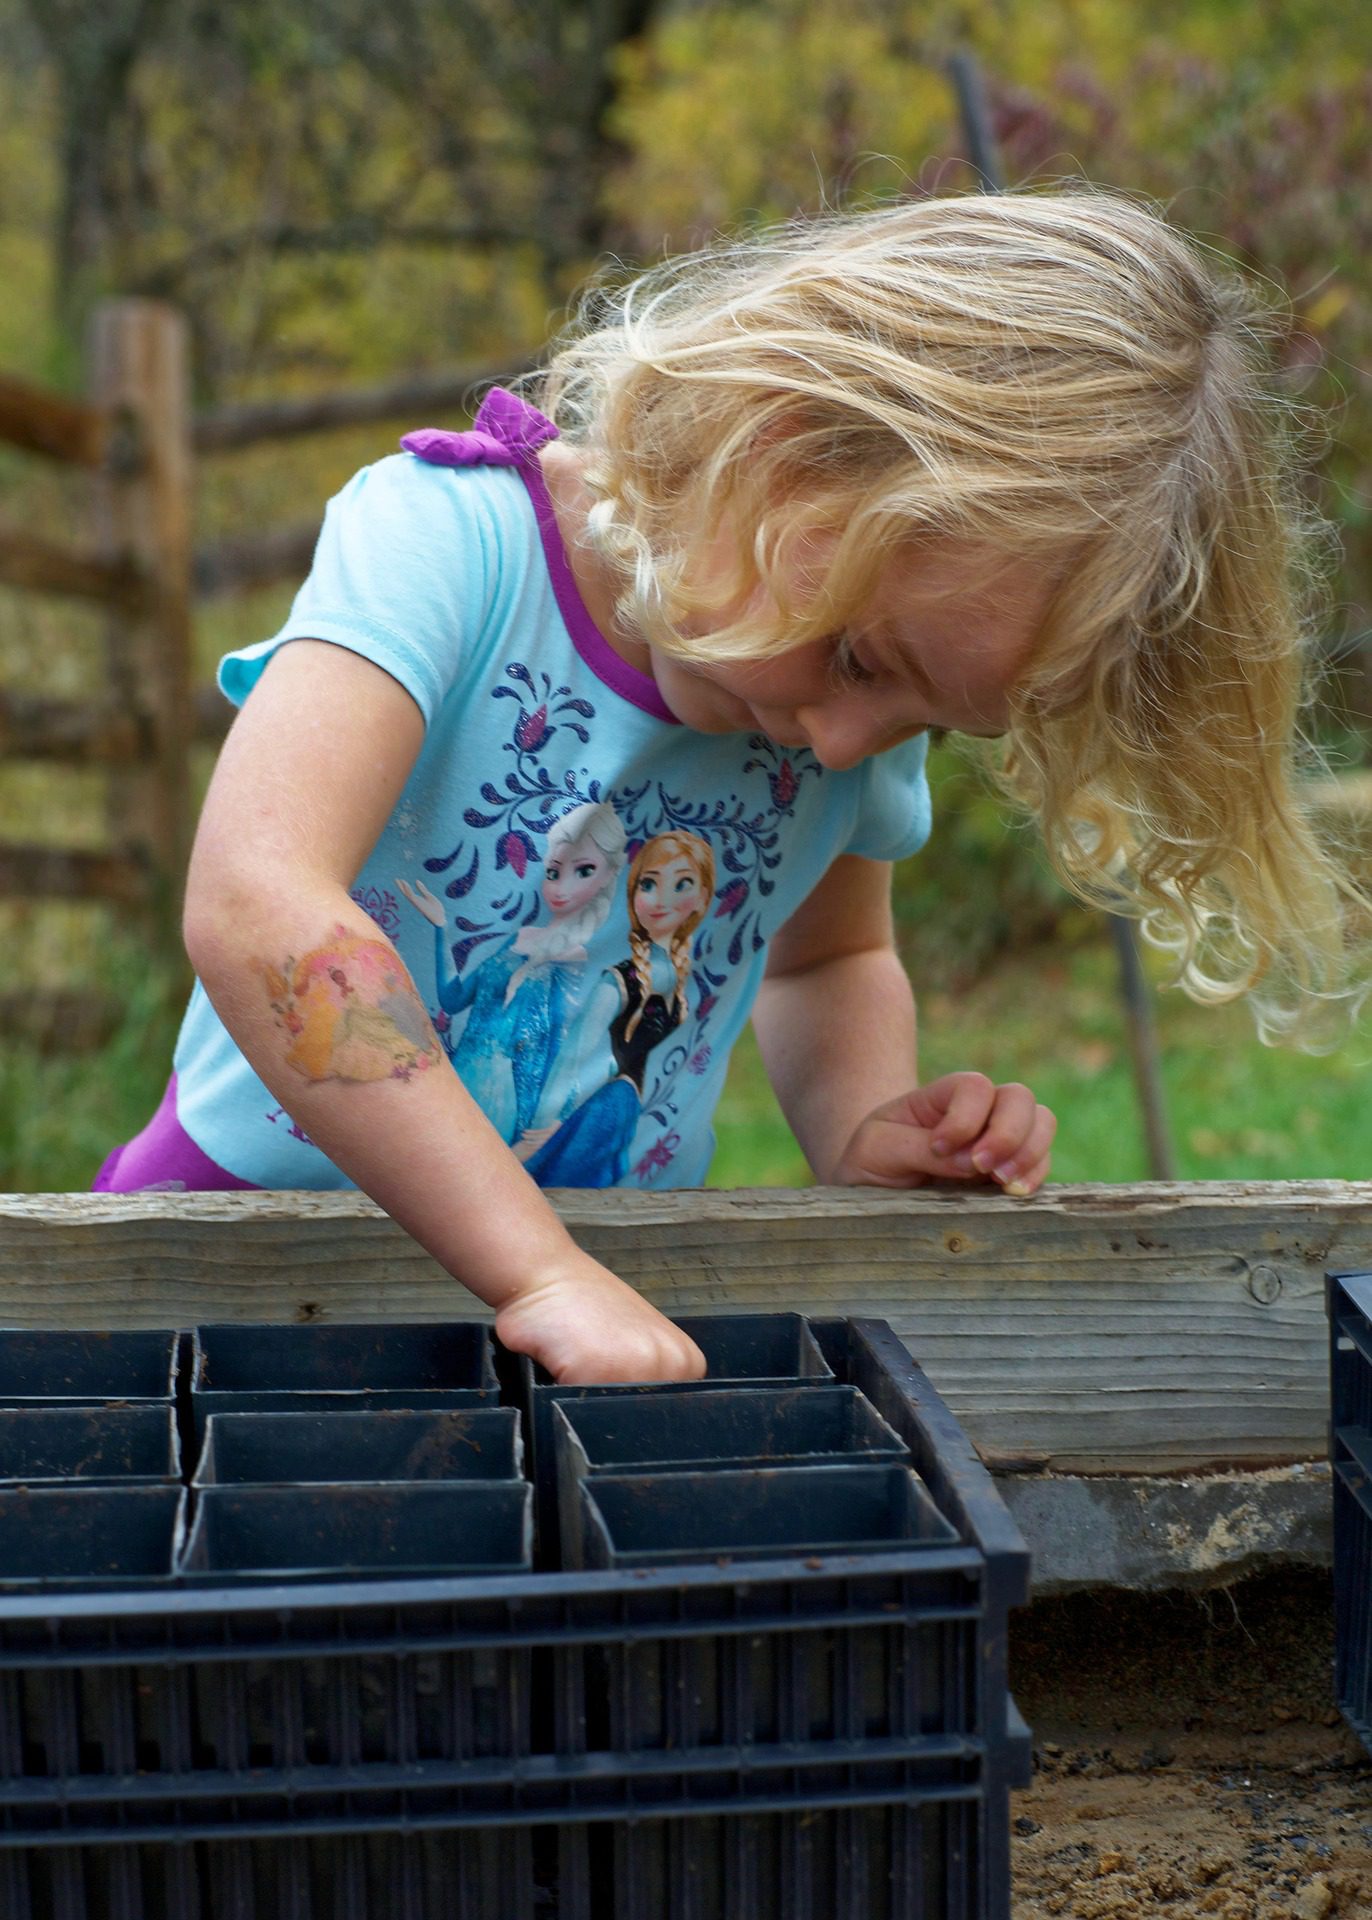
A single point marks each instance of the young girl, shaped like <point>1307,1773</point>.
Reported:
<point>1002,464</point>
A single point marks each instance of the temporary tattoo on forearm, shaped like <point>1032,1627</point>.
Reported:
<point>350,1012</point>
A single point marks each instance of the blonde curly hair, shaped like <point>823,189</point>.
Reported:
<point>1062,374</point>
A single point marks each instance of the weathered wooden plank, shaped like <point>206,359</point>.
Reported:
<point>1162,1328</point>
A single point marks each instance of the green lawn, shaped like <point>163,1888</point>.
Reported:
<point>1238,1110</point>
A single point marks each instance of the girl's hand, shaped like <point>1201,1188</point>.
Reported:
<point>962,1127</point>
<point>428,903</point>
<point>586,1326</point>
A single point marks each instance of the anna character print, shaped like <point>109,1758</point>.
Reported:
<point>635,1006</point>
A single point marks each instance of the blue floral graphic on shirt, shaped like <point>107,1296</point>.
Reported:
<point>504,993</point>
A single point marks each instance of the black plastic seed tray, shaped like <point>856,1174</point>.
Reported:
<point>720,1430</point>
<point>89,1444</point>
<point>286,1533</point>
<point>275,1449</point>
<point>1350,1452</point>
<point>616,1745</point>
<point>243,1368</point>
<point>60,1368</point>
<point>93,1536</point>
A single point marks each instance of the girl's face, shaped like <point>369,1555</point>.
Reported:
<point>573,876</point>
<point>667,894</point>
<point>943,639</point>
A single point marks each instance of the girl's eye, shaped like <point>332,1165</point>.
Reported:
<point>685,884</point>
<point>848,668</point>
<point>552,871</point>
<point>585,871</point>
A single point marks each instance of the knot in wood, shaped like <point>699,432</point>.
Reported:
<point>954,1242</point>
<point>1264,1283</point>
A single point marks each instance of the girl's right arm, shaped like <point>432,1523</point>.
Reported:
<point>324,1010</point>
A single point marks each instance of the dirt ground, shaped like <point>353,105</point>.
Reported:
<point>1188,1759</point>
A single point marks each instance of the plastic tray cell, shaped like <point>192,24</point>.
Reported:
<point>243,1368</point>
<point>89,1444</point>
<point>89,1535</point>
<point>60,1368</point>
<point>430,1527</point>
<point>282,1449</point>
<point>653,1518</point>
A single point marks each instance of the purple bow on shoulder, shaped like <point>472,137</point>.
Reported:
<point>506,430</point>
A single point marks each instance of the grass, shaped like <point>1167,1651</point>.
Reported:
<point>1239,1111</point>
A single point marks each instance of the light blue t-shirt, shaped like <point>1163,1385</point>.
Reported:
<point>592,1022</point>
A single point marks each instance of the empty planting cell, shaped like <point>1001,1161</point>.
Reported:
<point>90,1444</point>
<point>724,1428</point>
<point>50,1367</point>
<point>301,1532</point>
<point>652,1519</point>
<point>96,1535</point>
<point>757,1346</point>
<point>265,1449</point>
<point>267,1369</point>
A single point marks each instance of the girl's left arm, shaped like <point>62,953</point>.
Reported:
<point>835,1021</point>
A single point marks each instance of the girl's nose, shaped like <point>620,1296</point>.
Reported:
<point>840,733</point>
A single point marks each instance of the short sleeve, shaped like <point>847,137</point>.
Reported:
<point>894,814</point>
<point>399,576</point>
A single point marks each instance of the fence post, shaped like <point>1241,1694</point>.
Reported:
<point>139,363</point>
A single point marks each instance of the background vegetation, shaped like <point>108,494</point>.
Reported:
<point>337,192</point>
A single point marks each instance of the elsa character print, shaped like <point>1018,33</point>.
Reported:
<point>519,999</point>
<point>636,1004</point>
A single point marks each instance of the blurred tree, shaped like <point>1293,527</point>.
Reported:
<point>92,52</point>
<point>199,145</point>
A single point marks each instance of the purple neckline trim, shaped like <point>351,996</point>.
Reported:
<point>508,432</point>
